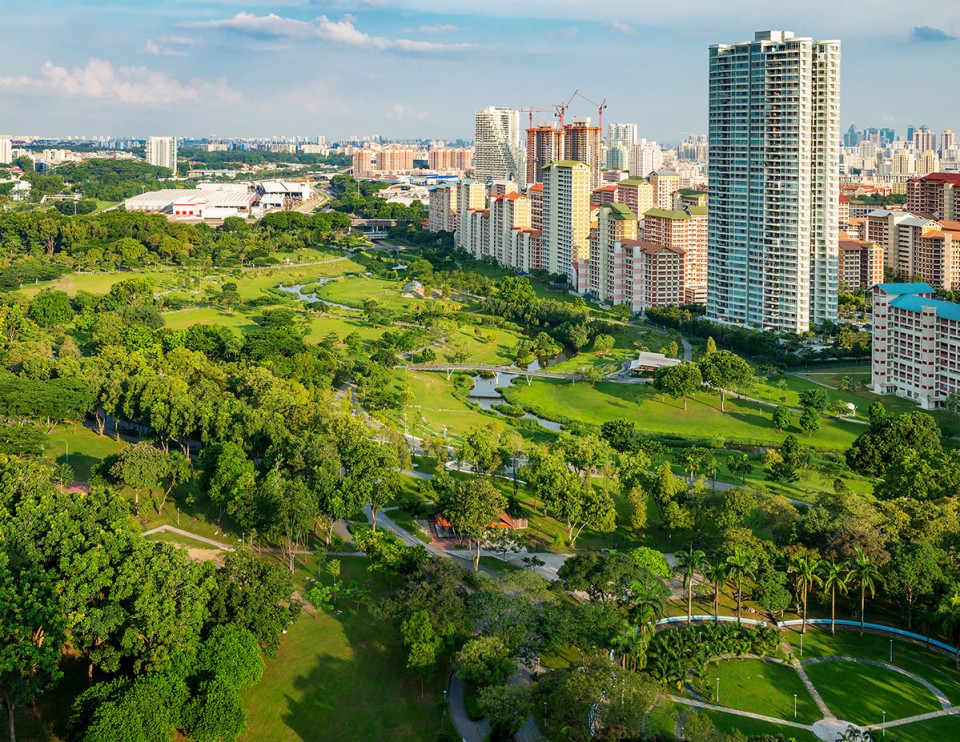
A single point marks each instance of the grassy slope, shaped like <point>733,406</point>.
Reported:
<point>80,447</point>
<point>342,677</point>
<point>745,421</point>
<point>762,688</point>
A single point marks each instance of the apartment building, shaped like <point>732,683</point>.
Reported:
<point>861,264</point>
<point>610,265</point>
<point>916,344</point>
<point>162,152</point>
<point>508,212</point>
<point>936,194</point>
<point>443,209</point>
<point>584,143</point>
<point>636,194</point>
<point>471,196</point>
<point>774,140</point>
<point>565,222</point>
<point>664,184</point>
<point>497,153</point>
<point>686,230</point>
<point>544,145</point>
<point>450,158</point>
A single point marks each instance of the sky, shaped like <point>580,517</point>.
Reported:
<point>420,68</point>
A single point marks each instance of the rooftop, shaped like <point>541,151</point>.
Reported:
<point>917,287</point>
<point>944,309</point>
<point>620,212</point>
<point>677,213</point>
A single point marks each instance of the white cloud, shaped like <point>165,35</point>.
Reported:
<point>342,32</point>
<point>158,49</point>
<point>137,86</point>
<point>439,28</point>
<point>625,28</point>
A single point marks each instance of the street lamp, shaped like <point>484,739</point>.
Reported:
<point>794,706</point>
<point>884,734</point>
<point>801,645</point>
<point>891,651</point>
<point>717,697</point>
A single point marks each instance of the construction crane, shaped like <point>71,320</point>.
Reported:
<point>562,108</point>
<point>600,106</point>
<point>532,111</point>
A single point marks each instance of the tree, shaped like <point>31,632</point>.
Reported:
<point>814,399</point>
<point>724,370</point>
<point>603,344</point>
<point>682,380</point>
<point>739,465</point>
<point>472,507</point>
<point>810,422</point>
<point>805,570</point>
<point>743,566</point>
<point>711,347</point>
<point>791,459</point>
<point>507,706</point>
<point>664,486</point>
<point>781,417</point>
<point>31,635</point>
<point>912,573</point>
<point>771,593</point>
<point>836,577</point>
<point>718,572</point>
<point>877,414</point>
<point>140,467</point>
<point>484,661</point>
<point>890,439</point>
<point>688,564</point>
<point>423,645</point>
<point>948,617</point>
<point>866,576</point>
<point>695,459</point>
<point>51,308</point>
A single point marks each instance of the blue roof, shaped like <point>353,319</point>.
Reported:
<point>907,288</point>
<point>945,309</point>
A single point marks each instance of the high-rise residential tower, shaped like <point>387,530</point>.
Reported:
<point>774,116</point>
<point>162,152</point>
<point>620,141</point>
<point>566,216</point>
<point>584,143</point>
<point>544,145</point>
<point>6,150</point>
<point>497,153</point>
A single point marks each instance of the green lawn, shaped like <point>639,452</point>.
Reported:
<point>356,290</point>
<point>434,407</point>
<point>743,421</point>
<point>760,687</point>
<point>944,728</point>
<point>184,318</point>
<point>478,350</point>
<point>322,325</point>
<point>860,693</point>
<point>786,390</point>
<point>931,666</point>
<point>343,677</point>
<point>80,447</point>
<point>729,723</point>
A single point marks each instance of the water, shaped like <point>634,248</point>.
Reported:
<point>297,290</point>
<point>485,393</point>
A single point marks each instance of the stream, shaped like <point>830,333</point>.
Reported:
<point>486,393</point>
<point>297,291</point>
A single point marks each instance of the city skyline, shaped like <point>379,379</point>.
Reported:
<point>331,67</point>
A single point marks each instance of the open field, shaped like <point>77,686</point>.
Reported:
<point>743,421</point>
<point>729,723</point>
<point>356,290</point>
<point>343,677</point>
<point>760,687</point>
<point>860,693</point>
<point>80,447</point>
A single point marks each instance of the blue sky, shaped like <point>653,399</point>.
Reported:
<point>406,68</point>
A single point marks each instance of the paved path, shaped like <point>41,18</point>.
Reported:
<point>192,536</point>
<point>466,728</point>
<point>687,349</point>
<point>951,711</point>
<point>748,714</point>
<point>812,690</point>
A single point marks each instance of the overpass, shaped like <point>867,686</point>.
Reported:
<point>449,368</point>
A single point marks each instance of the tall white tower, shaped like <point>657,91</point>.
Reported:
<point>162,152</point>
<point>497,155</point>
<point>774,144</point>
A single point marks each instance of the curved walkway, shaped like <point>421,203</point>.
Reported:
<point>939,694</point>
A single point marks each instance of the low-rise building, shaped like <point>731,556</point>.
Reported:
<point>916,344</point>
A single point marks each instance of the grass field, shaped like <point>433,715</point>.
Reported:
<point>478,350</point>
<point>356,290</point>
<point>743,421</point>
<point>80,447</point>
<point>760,687</point>
<point>931,666</point>
<point>184,318</point>
<point>729,723</point>
<point>343,677</point>
<point>860,693</point>
<point>434,407</point>
<point>786,390</point>
<point>942,728</point>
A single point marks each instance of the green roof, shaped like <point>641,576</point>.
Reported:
<point>677,213</point>
<point>691,192</point>
<point>621,212</point>
<point>633,181</point>
<point>565,163</point>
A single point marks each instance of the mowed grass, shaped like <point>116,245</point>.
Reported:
<point>785,390</point>
<point>932,666</point>
<point>80,447</point>
<point>434,407</point>
<point>730,723</point>
<point>343,677</point>
<point>654,413</point>
<point>496,353</point>
<point>184,318</point>
<point>356,290</point>
<point>100,283</point>
<point>940,728</point>
<point>760,687</point>
<point>860,693</point>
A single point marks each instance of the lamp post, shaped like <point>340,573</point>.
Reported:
<point>891,651</point>
<point>794,706</point>
<point>801,645</point>
<point>717,696</point>
<point>884,727</point>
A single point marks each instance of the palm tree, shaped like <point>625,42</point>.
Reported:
<point>627,643</point>
<point>836,577</point>
<point>948,616</point>
<point>718,573</point>
<point>804,569</point>
<point>743,566</point>
<point>688,563</point>
<point>866,575</point>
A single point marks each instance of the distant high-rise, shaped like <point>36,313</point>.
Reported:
<point>774,115</point>
<point>584,143</point>
<point>566,216</point>
<point>162,152</point>
<point>6,150</point>
<point>544,145</point>
<point>620,141</point>
<point>497,152</point>
<point>947,141</point>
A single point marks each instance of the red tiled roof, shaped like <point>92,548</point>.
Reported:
<point>536,187</point>
<point>844,199</point>
<point>953,178</point>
